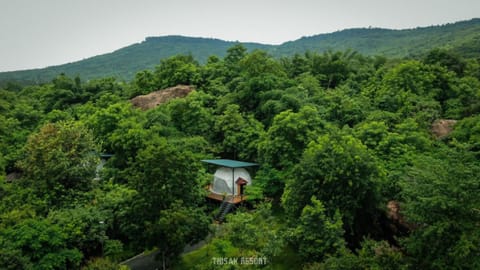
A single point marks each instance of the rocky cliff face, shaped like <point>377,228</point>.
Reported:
<point>156,98</point>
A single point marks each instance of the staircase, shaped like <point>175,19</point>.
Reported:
<point>225,207</point>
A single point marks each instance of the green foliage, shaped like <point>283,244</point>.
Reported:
<point>163,174</point>
<point>373,255</point>
<point>341,108</point>
<point>284,142</point>
<point>465,100</point>
<point>466,134</point>
<point>253,234</point>
<point>317,236</point>
<point>341,173</point>
<point>245,234</point>
<point>144,83</point>
<point>37,244</point>
<point>85,228</point>
<point>176,70</point>
<point>175,228</point>
<point>101,264</point>
<point>116,204</point>
<point>237,133</point>
<point>192,114</point>
<point>60,161</point>
<point>332,68</point>
<point>439,193</point>
<point>259,73</point>
<point>407,89</point>
<point>270,181</point>
<point>337,136</point>
<point>447,59</point>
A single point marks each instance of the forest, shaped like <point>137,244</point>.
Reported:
<point>352,172</point>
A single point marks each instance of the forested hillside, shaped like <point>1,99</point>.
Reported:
<point>125,62</point>
<point>350,174</point>
<point>462,38</point>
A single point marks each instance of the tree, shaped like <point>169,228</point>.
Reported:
<point>466,134</point>
<point>115,210</point>
<point>180,69</point>
<point>259,73</point>
<point>289,134</point>
<point>60,161</point>
<point>274,102</point>
<point>143,83</point>
<point>317,236</point>
<point>96,88</point>
<point>193,114</point>
<point>341,173</point>
<point>233,57</point>
<point>247,234</point>
<point>238,133</point>
<point>37,244</point>
<point>342,107</point>
<point>175,228</point>
<point>448,59</point>
<point>440,200</point>
<point>113,126</point>
<point>161,174</point>
<point>371,133</point>
<point>465,100</point>
<point>84,227</point>
<point>296,65</point>
<point>332,68</point>
<point>63,92</point>
<point>372,255</point>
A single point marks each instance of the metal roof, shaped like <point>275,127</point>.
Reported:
<point>229,163</point>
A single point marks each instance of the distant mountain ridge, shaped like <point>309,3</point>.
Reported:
<point>462,37</point>
<point>395,43</point>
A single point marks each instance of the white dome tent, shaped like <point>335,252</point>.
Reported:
<point>229,179</point>
<point>222,180</point>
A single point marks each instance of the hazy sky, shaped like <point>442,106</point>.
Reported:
<point>40,33</point>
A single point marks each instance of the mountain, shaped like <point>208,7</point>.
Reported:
<point>462,37</point>
<point>125,62</point>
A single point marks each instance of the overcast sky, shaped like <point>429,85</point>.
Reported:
<point>40,33</point>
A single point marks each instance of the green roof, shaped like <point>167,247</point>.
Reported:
<point>229,163</point>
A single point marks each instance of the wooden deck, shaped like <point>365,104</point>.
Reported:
<point>219,197</point>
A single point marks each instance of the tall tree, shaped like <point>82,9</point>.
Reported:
<point>180,69</point>
<point>340,172</point>
<point>318,236</point>
<point>60,161</point>
<point>441,201</point>
<point>37,244</point>
<point>175,228</point>
<point>238,133</point>
<point>288,136</point>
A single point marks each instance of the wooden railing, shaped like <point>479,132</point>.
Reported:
<point>220,197</point>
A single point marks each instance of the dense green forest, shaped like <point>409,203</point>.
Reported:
<point>461,37</point>
<point>350,177</point>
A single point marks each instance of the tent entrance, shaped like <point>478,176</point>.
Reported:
<point>241,185</point>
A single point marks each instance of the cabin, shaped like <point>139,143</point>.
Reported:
<point>229,180</point>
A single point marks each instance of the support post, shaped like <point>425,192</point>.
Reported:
<point>233,183</point>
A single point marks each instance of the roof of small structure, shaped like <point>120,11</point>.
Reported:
<point>229,163</point>
<point>241,181</point>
